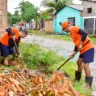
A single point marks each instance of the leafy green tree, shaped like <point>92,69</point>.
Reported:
<point>27,10</point>
<point>46,15</point>
<point>9,18</point>
<point>13,19</point>
<point>16,13</point>
<point>55,5</point>
<point>16,17</point>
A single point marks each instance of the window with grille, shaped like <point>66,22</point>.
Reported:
<point>72,21</point>
<point>89,10</point>
<point>89,25</point>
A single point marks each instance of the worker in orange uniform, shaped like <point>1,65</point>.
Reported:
<point>7,43</point>
<point>80,38</point>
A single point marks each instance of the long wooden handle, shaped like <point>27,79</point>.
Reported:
<point>63,64</point>
<point>74,55</point>
<point>16,48</point>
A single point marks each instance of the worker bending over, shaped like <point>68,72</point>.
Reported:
<point>7,42</point>
<point>86,56</point>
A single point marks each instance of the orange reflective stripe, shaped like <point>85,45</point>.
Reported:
<point>88,46</point>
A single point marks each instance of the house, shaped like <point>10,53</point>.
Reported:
<point>89,8</point>
<point>89,14</point>
<point>3,16</point>
<point>71,13</point>
<point>83,15</point>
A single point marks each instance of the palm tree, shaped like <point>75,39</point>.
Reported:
<point>55,5</point>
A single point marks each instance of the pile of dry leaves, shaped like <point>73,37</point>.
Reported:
<point>25,83</point>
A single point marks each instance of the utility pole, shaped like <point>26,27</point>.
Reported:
<point>22,10</point>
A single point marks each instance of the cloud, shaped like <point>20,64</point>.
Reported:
<point>77,1</point>
<point>14,3</point>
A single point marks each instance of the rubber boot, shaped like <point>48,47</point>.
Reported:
<point>78,75</point>
<point>89,80</point>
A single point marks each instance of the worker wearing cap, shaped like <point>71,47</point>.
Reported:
<point>7,42</point>
<point>80,38</point>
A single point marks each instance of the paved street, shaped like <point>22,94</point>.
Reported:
<point>63,48</point>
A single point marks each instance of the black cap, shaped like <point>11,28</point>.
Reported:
<point>25,31</point>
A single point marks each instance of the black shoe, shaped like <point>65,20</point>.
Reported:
<point>89,80</point>
<point>78,75</point>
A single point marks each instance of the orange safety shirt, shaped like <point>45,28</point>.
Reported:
<point>5,39</point>
<point>76,37</point>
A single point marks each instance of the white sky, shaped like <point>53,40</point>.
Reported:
<point>14,3</point>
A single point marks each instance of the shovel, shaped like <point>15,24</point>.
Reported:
<point>17,52</point>
<point>70,58</point>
